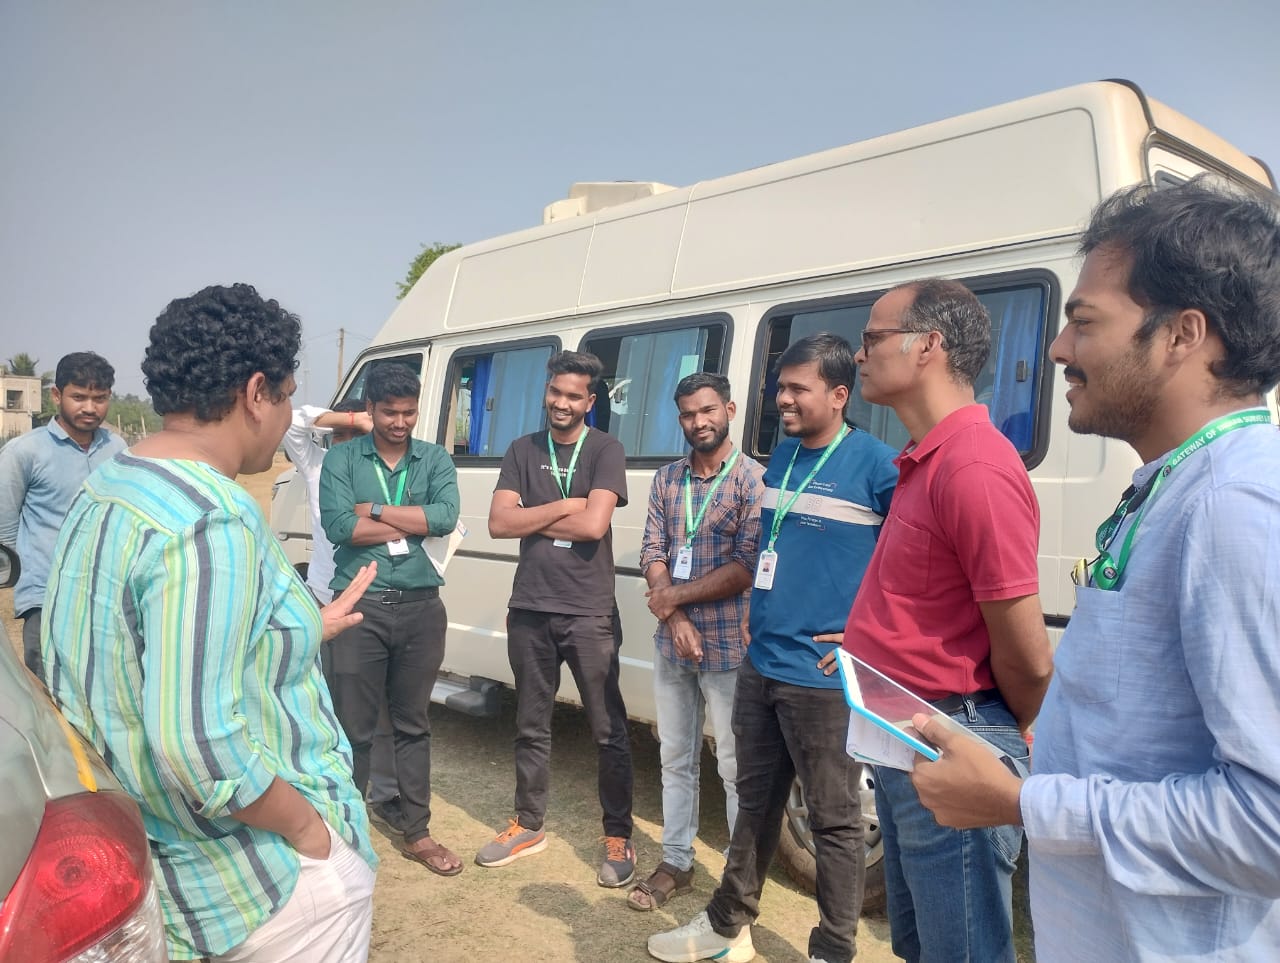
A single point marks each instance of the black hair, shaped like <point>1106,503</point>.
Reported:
<point>576,362</point>
<point>832,353</point>
<point>1203,247</point>
<point>85,368</point>
<point>391,380</point>
<point>955,312</point>
<point>350,404</point>
<point>205,348</point>
<point>703,379</point>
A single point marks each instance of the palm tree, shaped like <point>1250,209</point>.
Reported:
<point>22,364</point>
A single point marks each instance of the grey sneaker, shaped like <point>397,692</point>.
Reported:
<point>514,842</point>
<point>619,866</point>
<point>696,940</point>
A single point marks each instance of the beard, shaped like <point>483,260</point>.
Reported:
<point>1123,401</point>
<point>710,444</point>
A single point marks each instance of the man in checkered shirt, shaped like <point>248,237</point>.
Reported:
<point>698,556</point>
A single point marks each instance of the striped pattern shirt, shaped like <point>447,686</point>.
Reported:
<point>729,532</point>
<point>179,641</point>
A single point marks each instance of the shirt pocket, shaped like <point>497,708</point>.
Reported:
<point>722,518</point>
<point>1087,663</point>
<point>905,569</point>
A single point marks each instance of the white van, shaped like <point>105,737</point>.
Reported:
<point>722,276</point>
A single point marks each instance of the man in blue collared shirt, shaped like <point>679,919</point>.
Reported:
<point>1153,811</point>
<point>40,473</point>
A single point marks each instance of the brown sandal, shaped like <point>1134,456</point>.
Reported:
<point>663,883</point>
<point>435,857</point>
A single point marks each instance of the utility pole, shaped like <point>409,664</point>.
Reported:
<point>342,337</point>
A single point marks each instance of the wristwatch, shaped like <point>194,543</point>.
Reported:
<point>375,511</point>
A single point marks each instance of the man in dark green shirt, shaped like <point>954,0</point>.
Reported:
<point>380,497</point>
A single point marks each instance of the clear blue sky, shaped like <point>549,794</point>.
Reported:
<point>309,148</point>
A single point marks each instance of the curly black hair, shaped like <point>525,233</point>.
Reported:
<point>205,348</point>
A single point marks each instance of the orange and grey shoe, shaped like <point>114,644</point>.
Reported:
<point>619,866</point>
<point>514,842</point>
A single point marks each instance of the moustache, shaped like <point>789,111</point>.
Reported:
<point>1076,373</point>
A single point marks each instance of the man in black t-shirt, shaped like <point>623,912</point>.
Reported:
<point>556,492</point>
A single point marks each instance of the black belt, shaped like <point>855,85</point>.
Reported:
<point>396,596</point>
<point>955,703</point>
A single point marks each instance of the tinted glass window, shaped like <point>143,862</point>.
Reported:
<point>494,397</point>
<point>1008,385</point>
<point>641,371</point>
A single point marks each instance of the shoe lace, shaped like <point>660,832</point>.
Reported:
<point>615,849</point>
<point>513,830</point>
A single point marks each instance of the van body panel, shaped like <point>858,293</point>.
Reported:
<point>721,273</point>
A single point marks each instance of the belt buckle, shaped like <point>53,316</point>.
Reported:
<point>390,596</point>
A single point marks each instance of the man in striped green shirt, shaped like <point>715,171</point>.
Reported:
<point>179,641</point>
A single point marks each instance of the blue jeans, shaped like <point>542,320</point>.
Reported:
<point>783,731</point>
<point>950,892</point>
<point>683,698</point>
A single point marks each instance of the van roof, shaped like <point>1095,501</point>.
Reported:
<point>1015,173</point>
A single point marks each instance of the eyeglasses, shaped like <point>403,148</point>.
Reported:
<point>872,337</point>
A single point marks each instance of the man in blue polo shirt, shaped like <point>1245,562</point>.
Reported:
<point>40,473</point>
<point>827,491</point>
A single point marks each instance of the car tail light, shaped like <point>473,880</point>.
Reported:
<point>86,886</point>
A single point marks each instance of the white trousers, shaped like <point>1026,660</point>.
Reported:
<point>326,920</point>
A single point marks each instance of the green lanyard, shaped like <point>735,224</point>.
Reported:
<point>1107,570</point>
<point>565,484</point>
<point>386,493</point>
<point>690,523</point>
<point>785,504</point>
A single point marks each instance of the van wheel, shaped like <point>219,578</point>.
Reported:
<point>795,847</point>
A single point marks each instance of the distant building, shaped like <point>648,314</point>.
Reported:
<point>21,396</point>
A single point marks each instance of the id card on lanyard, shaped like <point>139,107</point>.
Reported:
<point>767,566</point>
<point>683,567</point>
<point>399,546</point>
<point>564,484</point>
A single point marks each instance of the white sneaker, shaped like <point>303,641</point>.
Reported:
<point>696,940</point>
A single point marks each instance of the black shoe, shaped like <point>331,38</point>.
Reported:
<point>387,817</point>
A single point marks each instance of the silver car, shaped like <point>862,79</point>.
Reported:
<point>75,868</point>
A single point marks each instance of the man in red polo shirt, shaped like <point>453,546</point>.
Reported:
<point>949,609</point>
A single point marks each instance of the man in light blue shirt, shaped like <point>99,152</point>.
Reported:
<point>40,473</point>
<point>1153,811</point>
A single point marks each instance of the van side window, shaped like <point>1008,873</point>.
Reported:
<point>641,370</point>
<point>1009,384</point>
<point>493,398</point>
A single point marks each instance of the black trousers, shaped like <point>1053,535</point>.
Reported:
<point>538,643</point>
<point>396,650</point>
<point>31,641</point>
<point>783,730</point>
